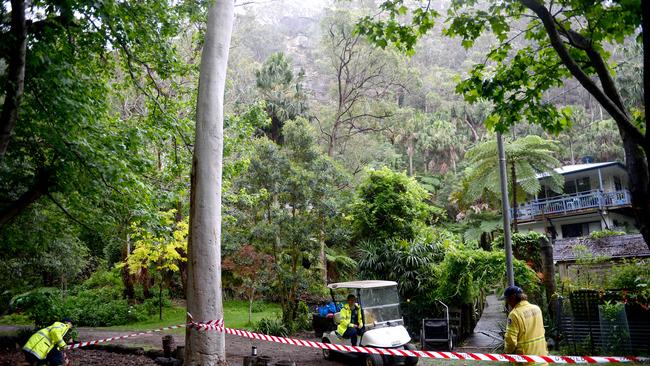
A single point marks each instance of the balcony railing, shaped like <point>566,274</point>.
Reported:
<point>572,203</point>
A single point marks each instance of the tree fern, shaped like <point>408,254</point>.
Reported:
<point>530,156</point>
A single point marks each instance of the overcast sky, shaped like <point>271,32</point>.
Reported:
<point>305,7</point>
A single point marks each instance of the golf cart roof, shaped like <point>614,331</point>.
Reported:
<point>362,284</point>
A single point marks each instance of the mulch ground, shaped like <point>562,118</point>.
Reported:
<point>82,357</point>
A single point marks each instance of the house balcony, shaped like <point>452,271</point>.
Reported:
<point>572,204</point>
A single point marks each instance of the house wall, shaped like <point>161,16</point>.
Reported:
<point>594,273</point>
<point>595,220</point>
<point>595,224</point>
<point>618,222</point>
<point>607,174</point>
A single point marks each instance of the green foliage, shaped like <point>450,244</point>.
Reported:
<point>604,233</point>
<point>37,243</point>
<point>303,317</point>
<point>102,278</point>
<point>525,157</point>
<point>282,92</point>
<point>615,329</point>
<point>95,307</point>
<point>288,205</point>
<point>274,327</point>
<point>389,205</point>
<point>392,30</point>
<point>525,247</point>
<point>406,262</point>
<point>633,276</point>
<point>462,274</point>
<point>44,305</point>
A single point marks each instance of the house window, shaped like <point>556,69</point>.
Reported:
<point>576,230</point>
<point>583,184</point>
<point>617,183</point>
<point>570,187</point>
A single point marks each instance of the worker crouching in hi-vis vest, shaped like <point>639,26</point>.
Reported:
<point>45,346</point>
<point>525,330</point>
<point>351,325</point>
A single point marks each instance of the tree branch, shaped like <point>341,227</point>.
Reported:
<point>612,108</point>
<point>39,188</point>
<point>68,214</point>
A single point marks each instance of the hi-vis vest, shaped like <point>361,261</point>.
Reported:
<point>346,318</point>
<point>525,331</point>
<point>42,342</point>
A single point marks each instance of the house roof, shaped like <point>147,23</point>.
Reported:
<point>619,246</point>
<point>568,169</point>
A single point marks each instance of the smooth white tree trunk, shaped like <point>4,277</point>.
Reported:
<point>204,300</point>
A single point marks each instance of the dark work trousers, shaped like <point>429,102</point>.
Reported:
<point>353,333</point>
<point>55,357</point>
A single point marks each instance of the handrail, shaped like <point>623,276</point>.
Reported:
<point>573,202</point>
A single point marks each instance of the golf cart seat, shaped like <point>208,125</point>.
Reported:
<point>337,318</point>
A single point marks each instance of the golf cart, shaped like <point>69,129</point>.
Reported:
<point>383,323</point>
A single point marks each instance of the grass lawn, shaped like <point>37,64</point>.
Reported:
<point>236,316</point>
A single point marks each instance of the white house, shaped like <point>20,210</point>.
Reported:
<point>595,197</point>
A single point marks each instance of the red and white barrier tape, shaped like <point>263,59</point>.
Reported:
<point>218,325</point>
<point>210,325</point>
<point>110,339</point>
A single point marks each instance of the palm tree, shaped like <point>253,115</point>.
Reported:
<point>525,159</point>
<point>282,91</point>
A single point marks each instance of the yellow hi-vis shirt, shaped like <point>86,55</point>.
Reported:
<point>346,318</point>
<point>525,331</point>
<point>42,342</point>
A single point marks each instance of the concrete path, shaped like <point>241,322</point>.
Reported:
<point>488,332</point>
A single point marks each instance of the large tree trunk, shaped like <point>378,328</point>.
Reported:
<point>643,215</point>
<point>204,298</point>
<point>15,83</point>
<point>637,171</point>
<point>548,269</point>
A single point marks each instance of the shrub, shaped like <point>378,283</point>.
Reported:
<point>104,278</point>
<point>463,273</point>
<point>605,233</point>
<point>390,205</point>
<point>259,306</point>
<point>100,307</point>
<point>303,317</point>
<point>152,306</point>
<point>525,246</point>
<point>629,275</point>
<point>93,308</point>
<point>43,305</point>
<point>274,327</point>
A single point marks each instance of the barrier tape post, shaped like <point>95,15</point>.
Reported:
<point>218,325</point>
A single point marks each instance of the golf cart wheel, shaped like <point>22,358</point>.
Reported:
<point>374,360</point>
<point>327,353</point>
<point>410,361</point>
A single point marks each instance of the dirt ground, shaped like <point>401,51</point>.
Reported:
<point>81,357</point>
<point>236,349</point>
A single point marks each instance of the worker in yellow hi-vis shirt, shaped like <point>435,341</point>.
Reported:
<point>45,346</point>
<point>525,331</point>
